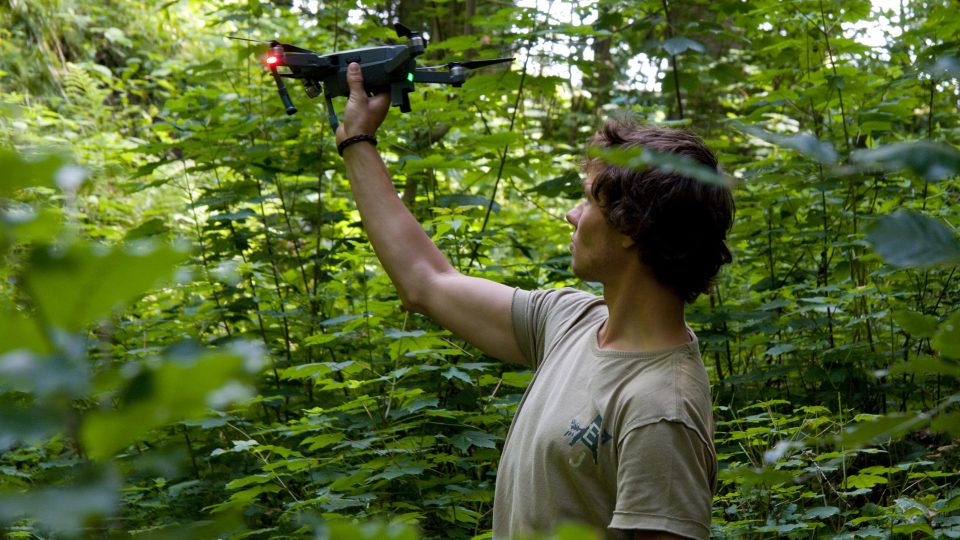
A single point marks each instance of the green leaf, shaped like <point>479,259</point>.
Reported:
<point>916,324</point>
<point>25,226</point>
<point>777,350</point>
<point>882,428</point>
<point>398,471</point>
<point>948,423</point>
<point>640,158</point>
<point>454,373</point>
<point>908,239</point>
<point>678,45</point>
<point>458,199</point>
<point>373,530</point>
<point>821,512</point>
<point>66,509</point>
<point>19,332</point>
<point>43,376</point>
<point>749,476</point>
<point>930,160</point>
<point>76,287</point>
<point>20,172</point>
<point>151,227</point>
<point>322,441</point>
<point>433,161</point>
<point>465,440</point>
<point>805,143</point>
<point>946,67</point>
<point>909,530</point>
<point>174,390</point>
<point>252,480</point>
<point>865,481</point>
<point>926,364</point>
<point>947,339</point>
<point>458,43</point>
<point>569,185</point>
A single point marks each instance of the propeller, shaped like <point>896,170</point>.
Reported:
<point>471,64</point>
<point>248,39</point>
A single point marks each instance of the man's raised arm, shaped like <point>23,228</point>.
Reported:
<point>477,310</point>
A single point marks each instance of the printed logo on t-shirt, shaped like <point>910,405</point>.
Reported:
<point>592,435</point>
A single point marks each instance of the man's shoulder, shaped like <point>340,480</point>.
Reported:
<point>562,299</point>
<point>673,388</point>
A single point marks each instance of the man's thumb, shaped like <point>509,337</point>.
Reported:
<point>355,79</point>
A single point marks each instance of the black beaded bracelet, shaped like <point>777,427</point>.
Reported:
<point>355,139</point>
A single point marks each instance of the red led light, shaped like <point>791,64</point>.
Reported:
<point>271,60</point>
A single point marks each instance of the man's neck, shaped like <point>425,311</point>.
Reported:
<point>644,315</point>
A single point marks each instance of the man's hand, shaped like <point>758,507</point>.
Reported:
<point>363,114</point>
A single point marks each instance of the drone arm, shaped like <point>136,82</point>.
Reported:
<point>424,76</point>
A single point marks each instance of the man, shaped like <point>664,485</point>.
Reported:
<point>616,429</point>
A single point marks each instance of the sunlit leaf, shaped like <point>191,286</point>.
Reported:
<point>865,481</point>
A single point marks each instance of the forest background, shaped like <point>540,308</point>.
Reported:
<point>197,341</point>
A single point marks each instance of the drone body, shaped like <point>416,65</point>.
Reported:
<point>389,68</point>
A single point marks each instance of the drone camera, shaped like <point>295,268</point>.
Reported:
<point>312,88</point>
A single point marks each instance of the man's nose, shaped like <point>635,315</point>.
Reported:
<point>573,216</point>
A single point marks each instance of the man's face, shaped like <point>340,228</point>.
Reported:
<point>596,246</point>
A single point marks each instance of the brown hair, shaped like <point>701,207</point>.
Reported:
<point>678,223</point>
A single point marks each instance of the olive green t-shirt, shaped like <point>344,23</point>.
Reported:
<point>616,440</point>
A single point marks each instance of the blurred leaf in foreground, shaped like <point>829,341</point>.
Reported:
<point>66,509</point>
<point>74,287</point>
<point>640,158</point>
<point>19,173</point>
<point>908,239</point>
<point>176,389</point>
<point>947,339</point>
<point>930,160</point>
<point>805,143</point>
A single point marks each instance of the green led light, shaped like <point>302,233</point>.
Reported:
<point>410,77</point>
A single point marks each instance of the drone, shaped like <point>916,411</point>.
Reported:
<point>387,68</point>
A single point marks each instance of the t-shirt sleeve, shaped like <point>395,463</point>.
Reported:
<point>665,480</point>
<point>529,312</point>
<point>538,316</point>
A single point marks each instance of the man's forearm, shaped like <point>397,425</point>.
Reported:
<point>404,249</point>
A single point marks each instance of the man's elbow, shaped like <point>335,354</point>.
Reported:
<point>422,294</point>
<point>409,304</point>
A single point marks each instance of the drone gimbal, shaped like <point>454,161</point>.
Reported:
<point>388,68</point>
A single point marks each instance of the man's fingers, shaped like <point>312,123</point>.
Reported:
<point>355,82</point>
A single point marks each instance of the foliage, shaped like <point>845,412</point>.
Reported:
<point>196,339</point>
